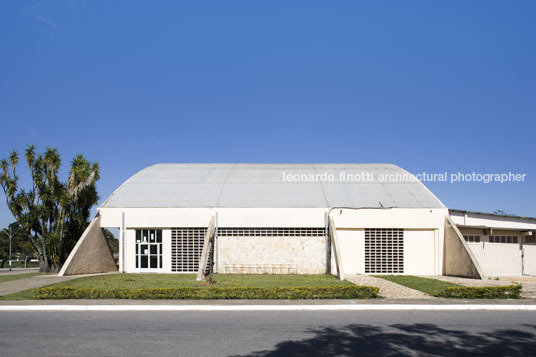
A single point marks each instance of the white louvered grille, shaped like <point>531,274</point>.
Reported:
<point>384,250</point>
<point>271,232</point>
<point>186,248</point>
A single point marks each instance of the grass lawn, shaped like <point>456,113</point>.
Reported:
<point>8,277</point>
<point>21,295</point>
<point>426,285</point>
<point>141,281</point>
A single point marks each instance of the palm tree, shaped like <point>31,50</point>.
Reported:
<point>51,208</point>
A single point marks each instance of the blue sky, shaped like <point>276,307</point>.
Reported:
<point>428,85</point>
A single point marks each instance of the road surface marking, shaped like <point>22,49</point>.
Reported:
<point>356,307</point>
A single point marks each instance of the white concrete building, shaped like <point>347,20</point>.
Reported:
<point>274,218</point>
<point>503,245</point>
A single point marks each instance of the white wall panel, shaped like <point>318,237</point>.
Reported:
<point>419,252</point>
<point>352,245</point>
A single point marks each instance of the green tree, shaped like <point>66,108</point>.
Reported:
<point>17,242</point>
<point>4,248</point>
<point>52,213</point>
<point>113,242</point>
<point>26,252</point>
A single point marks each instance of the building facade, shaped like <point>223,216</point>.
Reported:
<point>301,219</point>
<point>503,245</point>
<point>272,218</point>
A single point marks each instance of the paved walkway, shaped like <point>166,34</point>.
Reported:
<point>14,286</point>
<point>528,282</point>
<point>388,289</point>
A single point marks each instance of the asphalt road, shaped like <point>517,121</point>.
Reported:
<point>364,333</point>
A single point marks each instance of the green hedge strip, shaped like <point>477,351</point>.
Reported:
<point>486,292</point>
<point>325,292</point>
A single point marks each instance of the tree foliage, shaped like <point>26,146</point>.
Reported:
<point>113,242</point>
<point>20,247</point>
<point>52,213</point>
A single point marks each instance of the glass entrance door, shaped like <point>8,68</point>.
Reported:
<point>148,249</point>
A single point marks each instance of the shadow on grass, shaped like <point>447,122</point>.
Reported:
<point>402,340</point>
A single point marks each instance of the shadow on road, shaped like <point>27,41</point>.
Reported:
<point>415,339</point>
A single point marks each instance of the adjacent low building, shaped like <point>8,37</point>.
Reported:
<point>503,245</point>
<point>284,219</point>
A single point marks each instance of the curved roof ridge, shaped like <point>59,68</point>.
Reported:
<point>265,185</point>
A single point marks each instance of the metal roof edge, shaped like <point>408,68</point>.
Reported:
<point>491,214</point>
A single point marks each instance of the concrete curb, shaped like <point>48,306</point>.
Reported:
<point>358,307</point>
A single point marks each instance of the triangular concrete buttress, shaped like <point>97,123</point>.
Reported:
<point>91,254</point>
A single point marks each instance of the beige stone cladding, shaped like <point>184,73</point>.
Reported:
<point>272,255</point>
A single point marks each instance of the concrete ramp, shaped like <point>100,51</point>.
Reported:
<point>336,248</point>
<point>458,259</point>
<point>207,254</point>
<point>91,254</point>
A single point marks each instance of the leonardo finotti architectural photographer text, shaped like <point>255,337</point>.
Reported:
<point>369,176</point>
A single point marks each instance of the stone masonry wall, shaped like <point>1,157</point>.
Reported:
<point>272,255</point>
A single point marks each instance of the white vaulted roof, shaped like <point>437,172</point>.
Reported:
<point>263,185</point>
